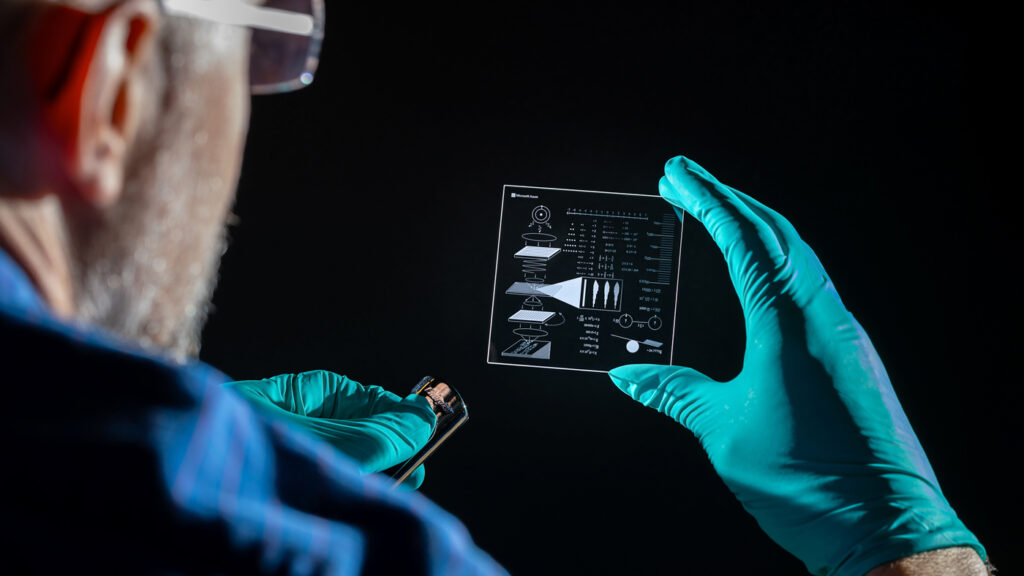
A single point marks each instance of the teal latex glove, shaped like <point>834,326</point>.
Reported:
<point>809,436</point>
<point>375,427</point>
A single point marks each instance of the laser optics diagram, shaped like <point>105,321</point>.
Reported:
<point>584,280</point>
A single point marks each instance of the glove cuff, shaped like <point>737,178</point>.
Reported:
<point>906,537</point>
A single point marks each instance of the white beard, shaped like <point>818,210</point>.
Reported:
<point>146,267</point>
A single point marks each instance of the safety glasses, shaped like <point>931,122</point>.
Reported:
<point>286,37</point>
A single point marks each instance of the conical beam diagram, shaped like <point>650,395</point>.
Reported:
<point>567,291</point>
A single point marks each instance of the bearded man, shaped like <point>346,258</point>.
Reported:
<point>122,125</point>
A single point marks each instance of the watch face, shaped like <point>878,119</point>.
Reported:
<point>451,412</point>
<point>444,399</point>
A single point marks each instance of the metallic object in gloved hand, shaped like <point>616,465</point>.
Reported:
<point>451,413</point>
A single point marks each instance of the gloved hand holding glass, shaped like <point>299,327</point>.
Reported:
<point>810,436</point>
<point>377,428</point>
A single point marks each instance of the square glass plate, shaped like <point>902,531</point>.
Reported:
<point>584,280</point>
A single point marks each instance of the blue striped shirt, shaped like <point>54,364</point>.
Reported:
<point>122,461</point>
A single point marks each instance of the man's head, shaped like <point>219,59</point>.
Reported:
<point>120,148</point>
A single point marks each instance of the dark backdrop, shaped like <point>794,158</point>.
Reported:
<point>368,212</point>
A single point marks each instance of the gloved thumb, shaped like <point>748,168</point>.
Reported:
<point>678,392</point>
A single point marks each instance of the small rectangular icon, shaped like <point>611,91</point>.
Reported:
<point>584,280</point>
<point>528,316</point>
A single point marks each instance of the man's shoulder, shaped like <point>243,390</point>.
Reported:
<point>76,366</point>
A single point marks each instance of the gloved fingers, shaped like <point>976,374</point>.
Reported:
<point>324,394</point>
<point>414,480</point>
<point>317,393</point>
<point>751,248</point>
<point>383,440</point>
<point>370,424</point>
<point>683,394</point>
<point>397,433</point>
<point>715,205</point>
<point>342,398</point>
<point>276,391</point>
<point>809,276</point>
<point>784,231</point>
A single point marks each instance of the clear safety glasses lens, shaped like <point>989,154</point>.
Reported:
<point>286,37</point>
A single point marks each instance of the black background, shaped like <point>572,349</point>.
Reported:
<point>368,212</point>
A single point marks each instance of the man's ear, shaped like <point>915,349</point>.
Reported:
<point>89,80</point>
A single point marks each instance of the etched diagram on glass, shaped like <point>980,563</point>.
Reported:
<point>584,280</point>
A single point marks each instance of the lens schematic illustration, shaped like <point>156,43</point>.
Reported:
<point>584,280</point>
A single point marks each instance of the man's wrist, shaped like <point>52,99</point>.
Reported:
<point>956,561</point>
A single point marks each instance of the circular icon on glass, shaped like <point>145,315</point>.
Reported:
<point>541,214</point>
